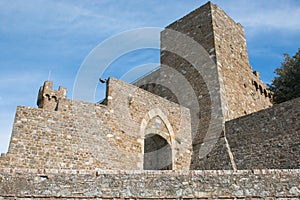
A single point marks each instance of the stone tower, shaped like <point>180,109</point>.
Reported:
<point>48,98</point>
<point>225,42</point>
<point>216,66</point>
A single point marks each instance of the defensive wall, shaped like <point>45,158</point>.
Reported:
<point>80,150</point>
<point>132,126</point>
<point>83,184</point>
<point>207,49</point>
<point>267,139</point>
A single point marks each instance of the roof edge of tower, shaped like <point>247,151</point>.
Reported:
<point>208,4</point>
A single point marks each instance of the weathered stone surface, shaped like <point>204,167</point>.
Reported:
<point>225,87</point>
<point>82,135</point>
<point>268,139</point>
<point>48,98</point>
<point>257,184</point>
<point>79,150</point>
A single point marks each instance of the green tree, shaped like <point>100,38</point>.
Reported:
<point>286,85</point>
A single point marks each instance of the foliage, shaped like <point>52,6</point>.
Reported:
<point>286,85</point>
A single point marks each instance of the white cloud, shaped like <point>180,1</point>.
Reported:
<point>263,52</point>
<point>107,17</point>
<point>65,17</point>
<point>286,20</point>
<point>69,24</point>
<point>18,78</point>
<point>260,15</point>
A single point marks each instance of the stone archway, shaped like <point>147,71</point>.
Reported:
<point>157,153</point>
<point>158,141</point>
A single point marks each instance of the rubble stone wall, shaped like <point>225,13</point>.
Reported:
<point>82,184</point>
<point>244,92</point>
<point>221,73</point>
<point>268,139</point>
<point>83,135</point>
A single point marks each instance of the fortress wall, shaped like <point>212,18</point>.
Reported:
<point>220,73</point>
<point>78,138</point>
<point>267,139</point>
<point>64,184</point>
<point>244,92</point>
<point>224,41</point>
<point>216,158</point>
<point>137,107</point>
<point>82,135</point>
<point>197,65</point>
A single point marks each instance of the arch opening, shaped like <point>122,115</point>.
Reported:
<point>157,153</point>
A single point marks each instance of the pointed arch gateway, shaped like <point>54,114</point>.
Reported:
<point>157,153</point>
<point>158,144</point>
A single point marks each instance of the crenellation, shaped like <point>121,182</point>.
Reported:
<point>234,67</point>
<point>260,87</point>
<point>230,76</point>
<point>85,135</point>
<point>202,126</point>
<point>48,98</point>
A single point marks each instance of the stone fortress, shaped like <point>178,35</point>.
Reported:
<point>225,140</point>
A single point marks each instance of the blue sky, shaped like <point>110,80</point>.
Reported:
<point>49,37</point>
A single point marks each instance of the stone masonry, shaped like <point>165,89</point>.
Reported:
<point>218,70</point>
<point>82,135</point>
<point>202,126</point>
<point>223,39</point>
<point>268,139</point>
<point>48,98</point>
<point>89,184</point>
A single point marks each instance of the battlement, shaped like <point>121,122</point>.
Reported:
<point>260,87</point>
<point>48,98</point>
<point>205,118</point>
<point>136,130</point>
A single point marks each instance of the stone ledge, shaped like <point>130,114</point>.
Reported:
<point>141,197</point>
<point>151,172</point>
<point>116,184</point>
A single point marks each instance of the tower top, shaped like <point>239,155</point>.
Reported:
<point>48,98</point>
